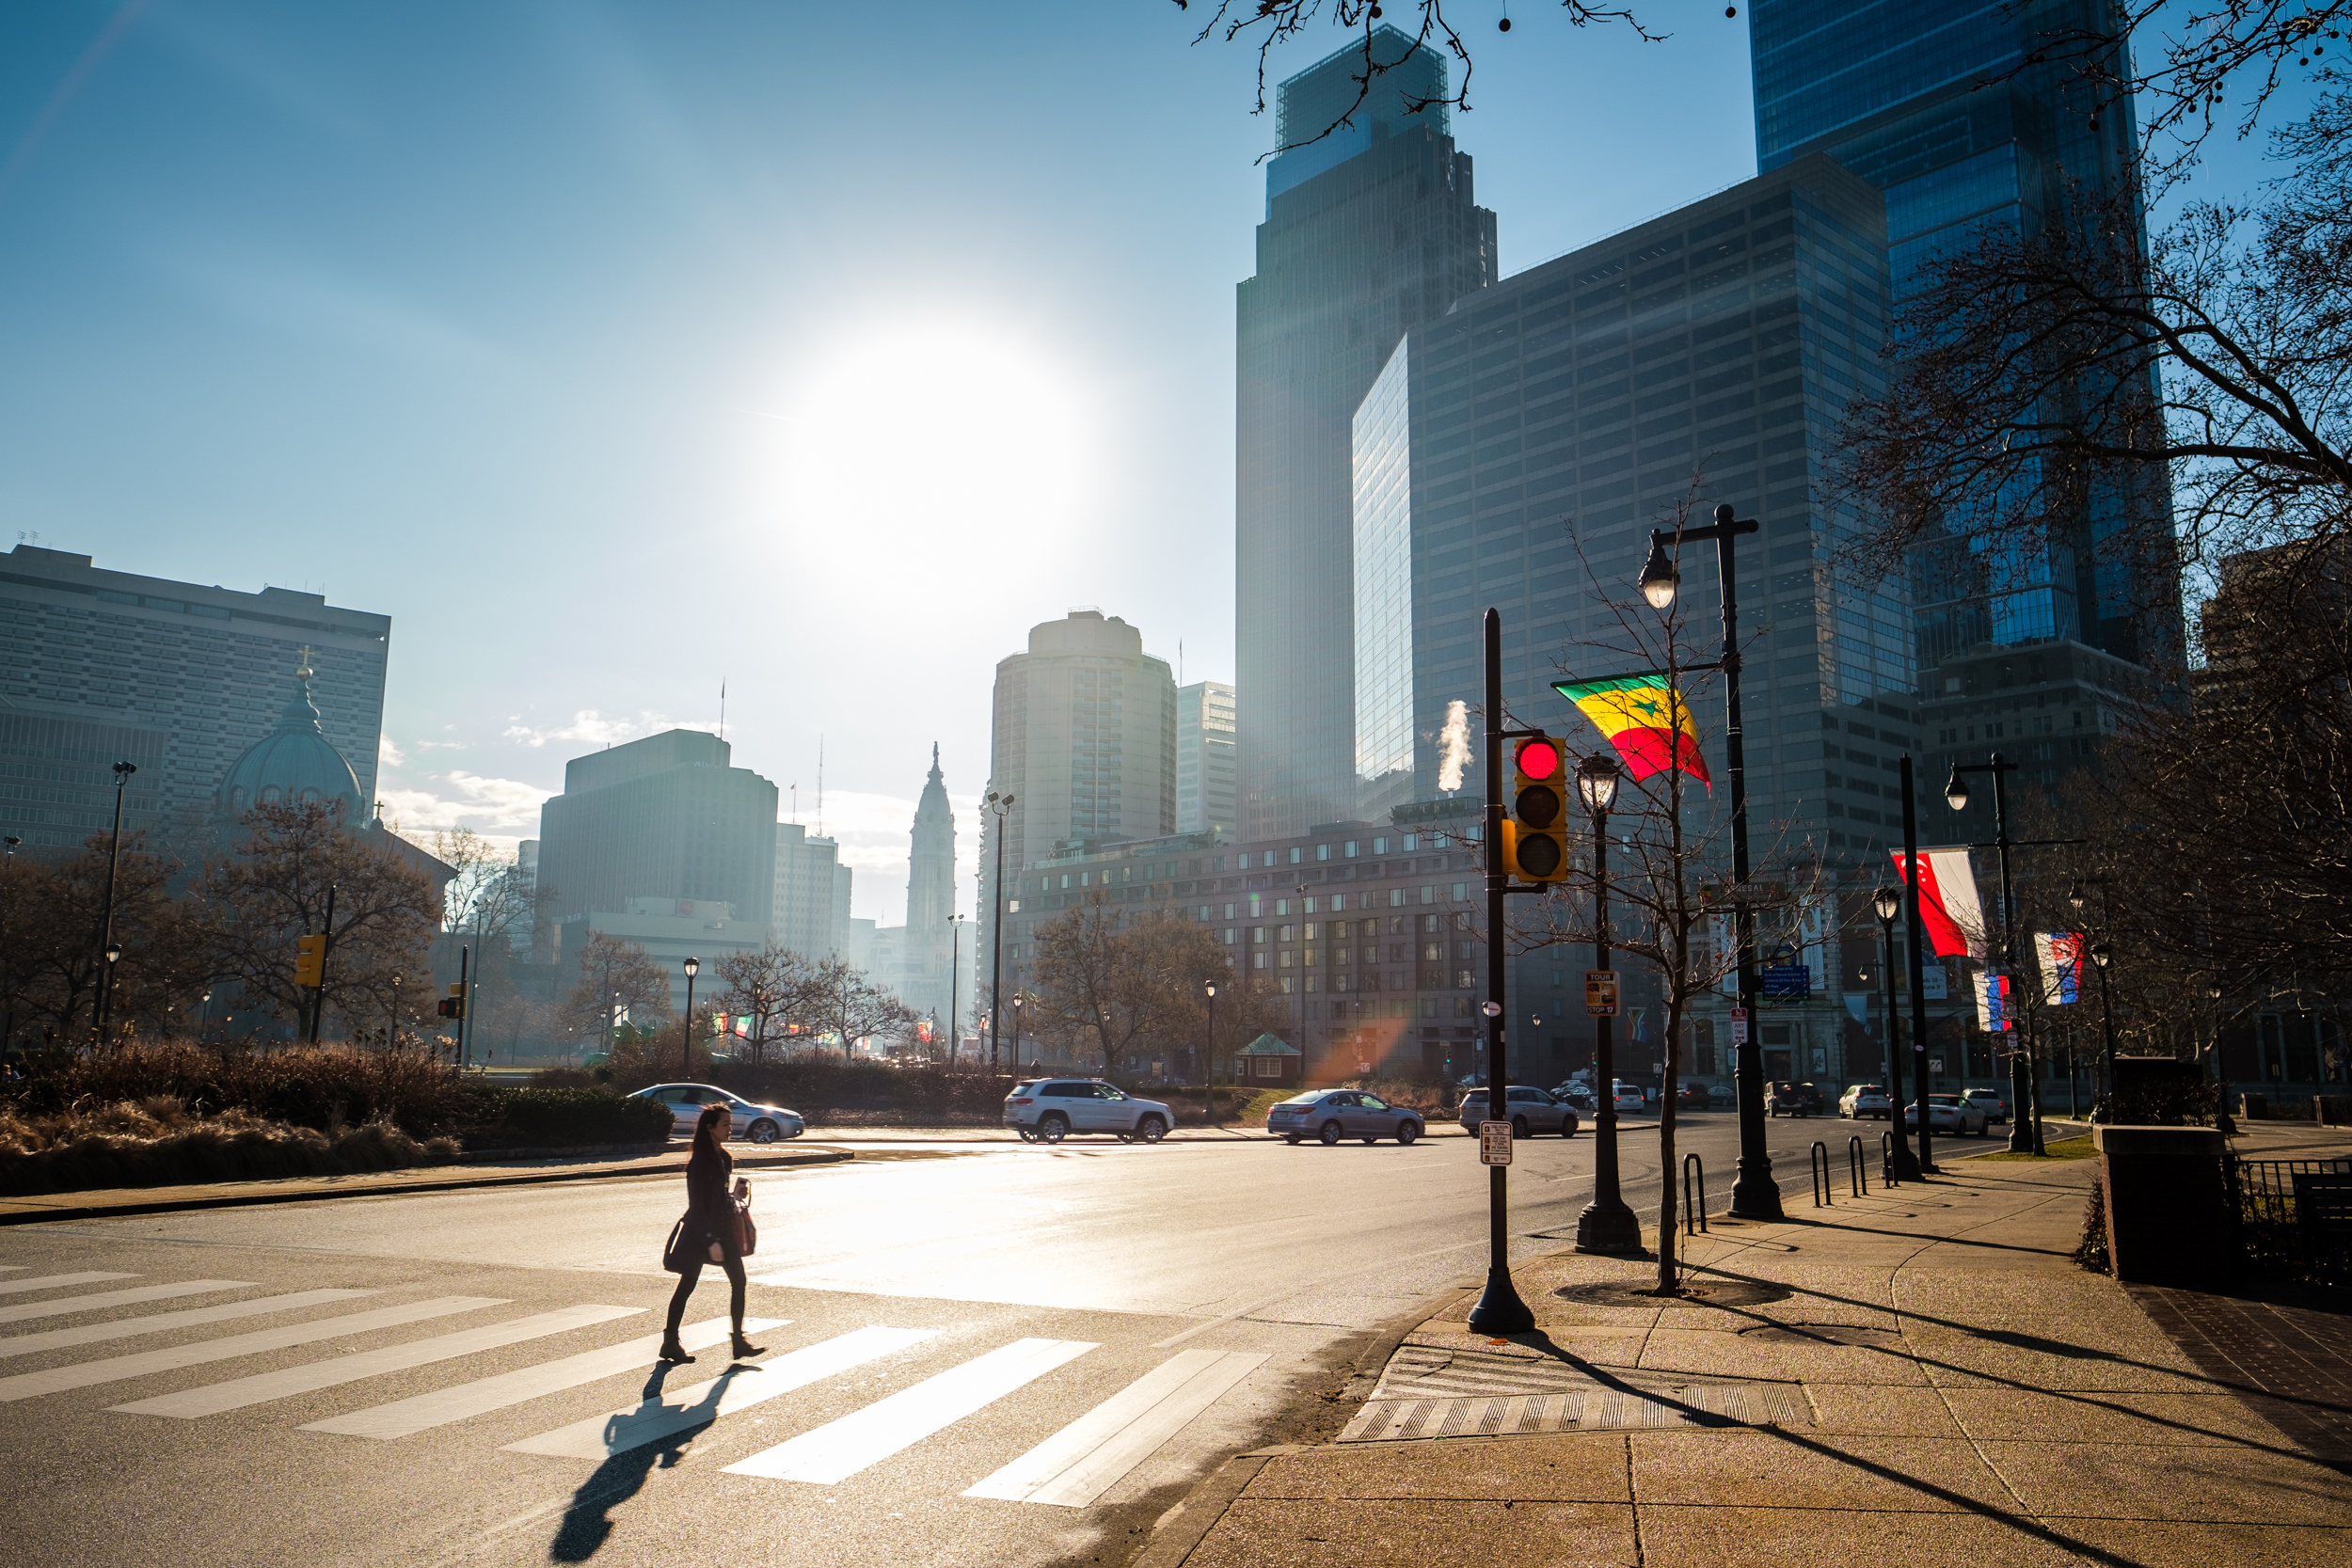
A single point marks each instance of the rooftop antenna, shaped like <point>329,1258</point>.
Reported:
<point>723,707</point>
<point>1179,661</point>
<point>820,785</point>
<point>796,803</point>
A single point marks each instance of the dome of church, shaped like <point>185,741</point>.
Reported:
<point>292,763</point>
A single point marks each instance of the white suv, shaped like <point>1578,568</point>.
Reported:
<point>1048,1110</point>
<point>1866,1099</point>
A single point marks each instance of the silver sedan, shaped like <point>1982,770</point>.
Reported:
<point>1949,1115</point>
<point>761,1124</point>
<point>1532,1111</point>
<point>1331,1114</point>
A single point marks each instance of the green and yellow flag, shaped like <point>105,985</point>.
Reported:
<point>1645,719</point>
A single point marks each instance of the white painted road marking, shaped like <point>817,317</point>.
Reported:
<point>25,1386</point>
<point>58,1281</point>
<point>261,1386</point>
<point>62,1305</point>
<point>599,1437</point>
<point>841,1449</point>
<point>440,1408</point>
<point>127,1328</point>
<point>1089,1456</point>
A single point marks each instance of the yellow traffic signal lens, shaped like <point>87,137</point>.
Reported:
<point>1538,806</point>
<point>1538,856</point>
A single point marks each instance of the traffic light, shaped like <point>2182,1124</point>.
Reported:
<point>310,960</point>
<point>453,1005</point>
<point>1535,834</point>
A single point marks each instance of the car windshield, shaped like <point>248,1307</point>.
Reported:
<point>1023,1088</point>
<point>1304,1099</point>
<point>1870,1088</point>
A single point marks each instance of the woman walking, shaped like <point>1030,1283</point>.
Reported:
<point>710,1217</point>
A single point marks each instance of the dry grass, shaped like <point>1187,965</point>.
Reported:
<point>156,1141</point>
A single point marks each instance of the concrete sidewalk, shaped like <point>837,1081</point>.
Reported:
<point>1921,1376</point>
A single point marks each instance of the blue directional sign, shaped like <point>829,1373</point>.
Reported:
<point>1787,982</point>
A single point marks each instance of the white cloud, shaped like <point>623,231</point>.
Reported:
<point>390,755</point>
<point>592,728</point>
<point>504,811</point>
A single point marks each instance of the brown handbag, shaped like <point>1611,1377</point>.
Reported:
<point>746,1233</point>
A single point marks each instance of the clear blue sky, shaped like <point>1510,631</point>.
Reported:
<point>617,350</point>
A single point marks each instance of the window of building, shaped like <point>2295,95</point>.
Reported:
<point>1310,904</point>
<point>1286,934</point>
<point>1285,962</point>
<point>1065,878</point>
<point>1265,1067</point>
<point>1351,848</point>
<point>1013,906</point>
<point>1257,935</point>
<point>1379,845</point>
<point>1429,894</point>
<point>1298,854</point>
<point>1339,902</point>
<point>1282,906</point>
<point>1311,983</point>
<point>1257,960</point>
<point>1288,982</point>
<point>1429,923</point>
<point>1312,929</point>
<point>1412,842</point>
<point>1463,980</point>
<point>1229,912</point>
<point>1396,898</point>
<point>1269,857</point>
<point>1432,952</point>
<point>1228,935</point>
<point>1322,851</point>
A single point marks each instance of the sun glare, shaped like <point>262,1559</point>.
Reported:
<point>947,442</point>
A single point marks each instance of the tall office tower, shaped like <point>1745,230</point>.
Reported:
<point>807,868</point>
<point>1084,742</point>
<point>178,678</point>
<point>1204,758</point>
<point>1368,233</point>
<point>1935,107</point>
<point>1518,452</point>
<point>666,817</point>
<point>1706,353</point>
<point>925,951</point>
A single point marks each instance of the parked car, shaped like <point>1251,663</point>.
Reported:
<point>1695,1096</point>
<point>1628,1097</point>
<point>761,1124</point>
<point>1866,1099</point>
<point>1331,1114</point>
<point>1794,1099</point>
<point>1532,1111</point>
<point>1995,1109</point>
<point>1049,1110</point>
<point>1949,1116</point>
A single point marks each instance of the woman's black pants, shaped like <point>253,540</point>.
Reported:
<point>686,1283</point>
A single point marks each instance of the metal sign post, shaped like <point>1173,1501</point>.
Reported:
<point>1499,1311</point>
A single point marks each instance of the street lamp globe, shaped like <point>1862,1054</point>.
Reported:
<point>1212,988</point>
<point>114,952</point>
<point>2074,896</point>
<point>1956,790</point>
<point>694,966</point>
<point>1888,903</point>
<point>1596,782</point>
<point>2102,955</point>
<point>1658,577</point>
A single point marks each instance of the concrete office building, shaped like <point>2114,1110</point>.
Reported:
<point>1368,233</point>
<point>812,892</point>
<point>671,930</point>
<point>1205,798</point>
<point>663,818</point>
<point>1083,739</point>
<point>178,678</point>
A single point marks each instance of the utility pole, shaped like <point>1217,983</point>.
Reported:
<point>106,934</point>
<point>327,951</point>
<point>1499,1311</point>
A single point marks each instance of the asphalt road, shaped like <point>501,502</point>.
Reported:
<point>1075,1333</point>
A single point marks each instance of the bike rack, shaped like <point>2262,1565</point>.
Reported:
<point>1857,1167</point>
<point>1816,1165</point>
<point>1886,1160</point>
<point>1693,1215</point>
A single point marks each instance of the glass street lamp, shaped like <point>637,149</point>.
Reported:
<point>686,1035</point>
<point>1608,1224</point>
<point>1886,903</point>
<point>1000,805</point>
<point>2102,956</point>
<point>1956,790</point>
<point>1658,577</point>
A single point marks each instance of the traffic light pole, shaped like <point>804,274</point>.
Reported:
<point>327,952</point>
<point>1499,1311</point>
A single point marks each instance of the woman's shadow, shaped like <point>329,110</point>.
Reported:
<point>588,1523</point>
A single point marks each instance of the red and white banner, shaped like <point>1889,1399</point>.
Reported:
<point>1949,909</point>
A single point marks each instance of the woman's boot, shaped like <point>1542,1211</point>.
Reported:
<point>673,1350</point>
<point>744,1349</point>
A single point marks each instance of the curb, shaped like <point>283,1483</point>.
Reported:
<point>389,1189</point>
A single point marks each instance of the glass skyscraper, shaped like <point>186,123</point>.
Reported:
<point>1934,106</point>
<point>1368,231</point>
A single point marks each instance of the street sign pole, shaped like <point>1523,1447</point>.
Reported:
<point>1499,1311</point>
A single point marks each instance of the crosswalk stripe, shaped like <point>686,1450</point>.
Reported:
<point>61,1305</point>
<point>127,1328</point>
<point>403,1416</point>
<point>237,1393</point>
<point>738,1388</point>
<point>58,1281</point>
<point>1088,1457</point>
<point>25,1386</point>
<point>841,1449</point>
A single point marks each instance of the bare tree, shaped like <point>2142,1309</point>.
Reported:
<point>616,976</point>
<point>771,987</point>
<point>252,904</point>
<point>51,925</point>
<point>840,1001</point>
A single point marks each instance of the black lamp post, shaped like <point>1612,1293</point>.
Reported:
<point>1886,904</point>
<point>1755,1195</point>
<point>2101,956</point>
<point>113,956</point>
<point>107,931</point>
<point>1017,1000</point>
<point>391,1024</point>
<point>686,1042</point>
<point>2023,1133</point>
<point>1209,1056</point>
<point>1304,1055</point>
<point>1001,805</point>
<point>955,955</point>
<point>1608,1224</point>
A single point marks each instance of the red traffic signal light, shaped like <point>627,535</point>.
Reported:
<point>1536,848</point>
<point>1539,758</point>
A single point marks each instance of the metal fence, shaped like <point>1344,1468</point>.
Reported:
<point>2294,1216</point>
